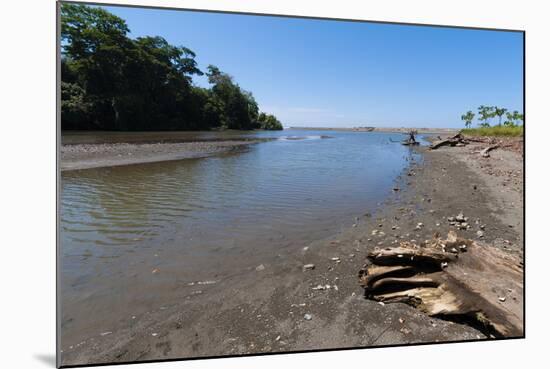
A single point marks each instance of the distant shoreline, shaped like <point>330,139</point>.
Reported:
<point>380,129</point>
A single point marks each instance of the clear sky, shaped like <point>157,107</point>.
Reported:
<point>346,74</point>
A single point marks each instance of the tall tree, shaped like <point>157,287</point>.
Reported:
<point>499,112</point>
<point>485,113</point>
<point>517,117</point>
<point>239,108</point>
<point>113,82</point>
<point>468,118</point>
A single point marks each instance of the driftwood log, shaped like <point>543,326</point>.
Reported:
<point>455,140</point>
<point>456,279</point>
<point>485,151</point>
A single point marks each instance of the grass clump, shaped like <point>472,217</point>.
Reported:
<point>506,131</point>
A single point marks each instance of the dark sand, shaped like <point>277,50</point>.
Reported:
<point>263,308</point>
<point>94,155</point>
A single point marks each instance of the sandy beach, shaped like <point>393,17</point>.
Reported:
<point>282,306</point>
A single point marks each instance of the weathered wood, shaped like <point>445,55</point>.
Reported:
<point>456,278</point>
<point>485,151</point>
<point>455,140</point>
<point>443,143</point>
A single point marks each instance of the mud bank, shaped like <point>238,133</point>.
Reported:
<point>83,156</point>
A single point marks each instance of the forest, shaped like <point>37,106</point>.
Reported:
<point>112,82</point>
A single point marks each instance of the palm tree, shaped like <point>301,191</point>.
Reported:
<point>517,117</point>
<point>499,112</point>
<point>509,122</point>
<point>485,112</point>
<point>468,118</point>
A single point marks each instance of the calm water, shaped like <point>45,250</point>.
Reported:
<point>183,220</point>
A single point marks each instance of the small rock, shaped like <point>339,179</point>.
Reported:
<point>480,234</point>
<point>260,267</point>
<point>308,317</point>
<point>335,259</point>
<point>308,267</point>
<point>502,299</point>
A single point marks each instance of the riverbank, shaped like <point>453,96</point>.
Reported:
<point>311,298</point>
<point>95,155</point>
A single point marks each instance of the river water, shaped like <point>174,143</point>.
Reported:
<point>199,219</point>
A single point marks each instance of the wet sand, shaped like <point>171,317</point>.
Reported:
<point>277,306</point>
<point>95,155</point>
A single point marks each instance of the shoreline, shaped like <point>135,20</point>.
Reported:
<point>265,308</point>
<point>442,131</point>
<point>96,155</point>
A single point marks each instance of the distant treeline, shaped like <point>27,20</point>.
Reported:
<point>112,82</point>
<point>487,113</point>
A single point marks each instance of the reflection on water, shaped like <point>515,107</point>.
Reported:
<point>275,196</point>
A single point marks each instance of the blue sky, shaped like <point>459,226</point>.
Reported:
<point>346,74</point>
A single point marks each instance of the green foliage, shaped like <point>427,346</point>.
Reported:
<point>513,119</point>
<point>113,82</point>
<point>485,113</point>
<point>503,130</point>
<point>269,122</point>
<point>513,126</point>
<point>468,118</point>
<point>499,112</point>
